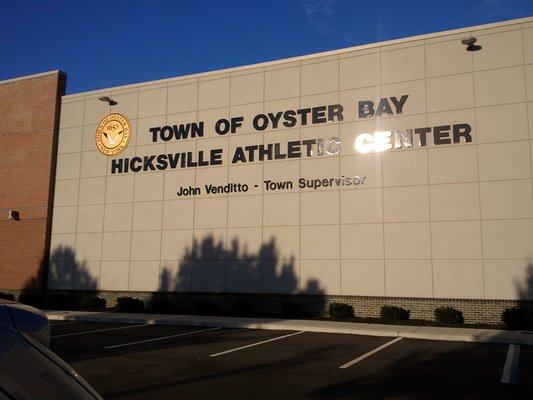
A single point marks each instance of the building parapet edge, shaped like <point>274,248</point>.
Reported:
<point>426,36</point>
<point>39,75</point>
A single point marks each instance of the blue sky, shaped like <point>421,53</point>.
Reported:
<point>106,43</point>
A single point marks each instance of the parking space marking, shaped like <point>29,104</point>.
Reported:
<point>256,344</point>
<point>349,364</point>
<point>160,338</point>
<point>510,370</point>
<point>99,330</point>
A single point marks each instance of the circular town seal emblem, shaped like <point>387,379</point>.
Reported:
<point>113,134</point>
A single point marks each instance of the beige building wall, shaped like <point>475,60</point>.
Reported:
<point>440,221</point>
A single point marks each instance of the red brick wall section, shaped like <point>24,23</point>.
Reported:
<point>29,123</point>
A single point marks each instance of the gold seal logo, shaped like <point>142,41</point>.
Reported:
<point>113,134</point>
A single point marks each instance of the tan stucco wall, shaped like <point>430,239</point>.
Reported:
<point>447,221</point>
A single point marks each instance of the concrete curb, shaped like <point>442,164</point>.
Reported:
<point>403,331</point>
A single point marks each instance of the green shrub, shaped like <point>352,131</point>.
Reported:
<point>34,299</point>
<point>515,318</point>
<point>242,308</point>
<point>62,301</point>
<point>7,296</point>
<point>448,316</point>
<point>203,307</point>
<point>92,302</point>
<point>162,306</point>
<point>393,313</point>
<point>129,304</point>
<point>291,309</point>
<point>341,310</point>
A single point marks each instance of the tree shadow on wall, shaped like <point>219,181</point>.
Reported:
<point>521,317</point>
<point>63,274</point>
<point>236,279</point>
<point>525,289</point>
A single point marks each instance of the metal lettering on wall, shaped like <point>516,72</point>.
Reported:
<point>270,185</point>
<point>364,142</point>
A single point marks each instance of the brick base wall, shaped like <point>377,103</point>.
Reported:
<point>474,311</point>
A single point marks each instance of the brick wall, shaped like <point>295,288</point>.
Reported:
<point>29,115</point>
<point>474,311</point>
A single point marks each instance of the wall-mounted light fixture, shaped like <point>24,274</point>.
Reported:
<point>469,42</point>
<point>108,100</point>
<point>14,215</point>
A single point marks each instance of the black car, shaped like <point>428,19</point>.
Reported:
<point>28,369</point>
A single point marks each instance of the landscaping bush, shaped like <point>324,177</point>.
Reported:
<point>393,313</point>
<point>33,299</point>
<point>341,310</point>
<point>62,301</point>
<point>203,307</point>
<point>448,316</point>
<point>242,308</point>
<point>129,304</point>
<point>7,296</point>
<point>291,309</point>
<point>162,306</point>
<point>92,302</point>
<point>515,318</point>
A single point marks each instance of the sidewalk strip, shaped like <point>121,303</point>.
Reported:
<point>160,338</point>
<point>256,344</point>
<point>349,364</point>
<point>510,370</point>
<point>99,330</point>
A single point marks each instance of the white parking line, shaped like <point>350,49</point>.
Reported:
<point>510,370</point>
<point>100,330</point>
<point>256,344</point>
<point>349,364</point>
<point>160,338</point>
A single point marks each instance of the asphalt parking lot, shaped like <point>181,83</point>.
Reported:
<point>172,362</point>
